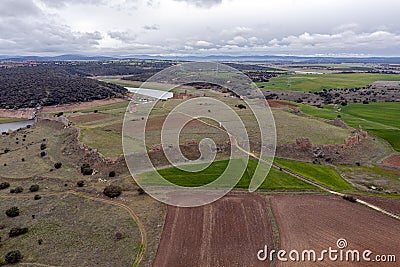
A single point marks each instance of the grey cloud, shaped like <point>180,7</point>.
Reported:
<point>14,8</point>
<point>35,32</point>
<point>123,36</point>
<point>153,27</point>
<point>202,3</point>
<point>61,3</point>
<point>40,36</point>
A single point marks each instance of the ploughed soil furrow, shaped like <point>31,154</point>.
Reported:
<point>228,232</point>
<point>316,222</point>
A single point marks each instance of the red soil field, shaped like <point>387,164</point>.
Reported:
<point>393,161</point>
<point>388,204</point>
<point>280,104</point>
<point>316,222</point>
<point>228,232</point>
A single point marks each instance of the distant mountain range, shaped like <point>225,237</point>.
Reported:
<point>265,58</point>
<point>53,58</point>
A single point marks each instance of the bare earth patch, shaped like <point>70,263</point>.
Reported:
<point>81,105</point>
<point>388,204</point>
<point>27,113</point>
<point>280,104</point>
<point>316,222</point>
<point>393,161</point>
<point>228,232</point>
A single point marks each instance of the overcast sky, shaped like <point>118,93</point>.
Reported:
<point>200,27</point>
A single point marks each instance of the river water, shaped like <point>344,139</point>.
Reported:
<point>163,95</point>
<point>5,127</point>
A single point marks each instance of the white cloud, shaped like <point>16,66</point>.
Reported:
<point>348,40</point>
<point>202,3</point>
<point>202,43</point>
<point>238,40</point>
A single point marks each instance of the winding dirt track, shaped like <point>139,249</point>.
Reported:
<point>142,230</point>
<point>228,232</point>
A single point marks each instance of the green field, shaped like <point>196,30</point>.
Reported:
<point>107,108</point>
<point>275,180</point>
<point>318,82</point>
<point>321,174</point>
<point>381,119</point>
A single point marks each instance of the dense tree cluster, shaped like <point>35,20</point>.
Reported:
<point>249,67</point>
<point>109,68</point>
<point>261,76</point>
<point>23,87</point>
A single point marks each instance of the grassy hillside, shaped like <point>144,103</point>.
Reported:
<point>318,82</point>
<point>322,174</point>
<point>289,127</point>
<point>70,227</point>
<point>381,119</point>
<point>101,127</point>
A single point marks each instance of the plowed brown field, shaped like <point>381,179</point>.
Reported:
<point>393,161</point>
<point>388,204</point>
<point>317,222</point>
<point>280,104</point>
<point>228,232</point>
